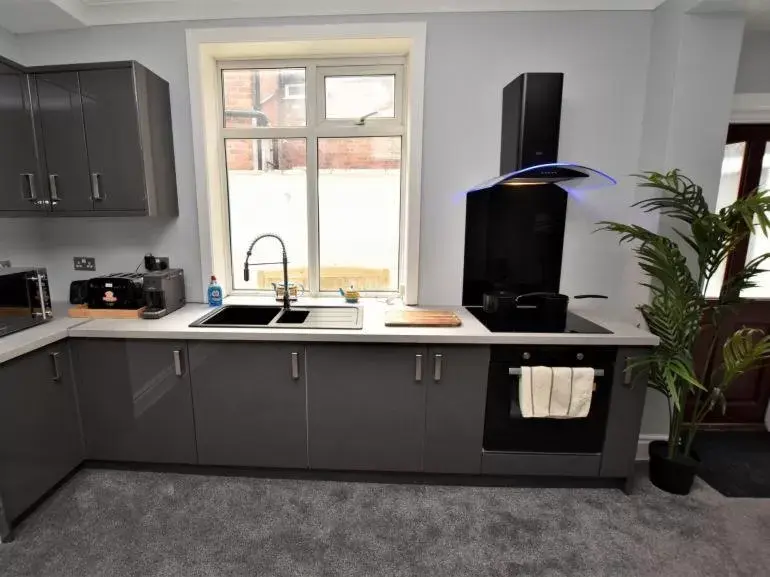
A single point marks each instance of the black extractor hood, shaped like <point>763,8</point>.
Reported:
<point>514,224</point>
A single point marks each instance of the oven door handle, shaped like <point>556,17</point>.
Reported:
<point>516,372</point>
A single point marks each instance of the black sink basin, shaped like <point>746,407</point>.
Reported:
<point>240,315</point>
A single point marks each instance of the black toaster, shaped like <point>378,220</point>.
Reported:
<point>121,290</point>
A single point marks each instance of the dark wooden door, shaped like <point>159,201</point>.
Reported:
<point>745,169</point>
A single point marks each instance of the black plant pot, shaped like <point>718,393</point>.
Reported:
<point>672,475</point>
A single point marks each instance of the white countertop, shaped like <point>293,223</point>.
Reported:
<point>176,326</point>
<point>26,341</point>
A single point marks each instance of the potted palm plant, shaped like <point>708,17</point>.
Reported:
<point>678,272</point>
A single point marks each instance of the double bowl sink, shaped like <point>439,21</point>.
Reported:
<point>267,316</point>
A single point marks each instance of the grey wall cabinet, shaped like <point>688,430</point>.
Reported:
<point>366,406</point>
<point>21,186</point>
<point>456,386</point>
<point>135,400</point>
<point>249,403</point>
<point>86,140</point>
<point>128,132</point>
<point>40,436</point>
<point>63,142</point>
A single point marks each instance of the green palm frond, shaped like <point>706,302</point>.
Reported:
<point>685,202</point>
<point>744,279</point>
<point>743,350</point>
<point>748,212</point>
<point>678,309</point>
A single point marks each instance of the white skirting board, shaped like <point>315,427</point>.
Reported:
<point>644,442</point>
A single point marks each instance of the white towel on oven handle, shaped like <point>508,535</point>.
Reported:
<point>555,392</point>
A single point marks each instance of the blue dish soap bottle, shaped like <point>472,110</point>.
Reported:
<point>215,293</point>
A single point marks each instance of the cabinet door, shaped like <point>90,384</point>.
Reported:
<point>456,383</point>
<point>64,141</point>
<point>40,438</point>
<point>366,406</point>
<point>625,416</point>
<point>112,134</point>
<point>21,189</point>
<point>249,403</point>
<point>135,400</point>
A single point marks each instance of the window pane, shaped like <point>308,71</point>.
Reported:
<point>356,96</point>
<point>732,167</point>
<point>759,244</point>
<point>267,190</point>
<point>359,203</point>
<point>267,97</point>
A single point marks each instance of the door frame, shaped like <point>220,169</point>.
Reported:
<point>750,108</point>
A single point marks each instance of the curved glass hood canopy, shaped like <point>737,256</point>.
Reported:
<point>570,177</point>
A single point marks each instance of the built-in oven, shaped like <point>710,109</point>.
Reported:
<point>506,431</point>
<point>25,299</point>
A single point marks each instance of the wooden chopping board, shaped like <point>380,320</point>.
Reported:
<point>83,312</point>
<point>421,318</point>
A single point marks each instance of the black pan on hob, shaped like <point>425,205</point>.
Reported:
<point>530,312</point>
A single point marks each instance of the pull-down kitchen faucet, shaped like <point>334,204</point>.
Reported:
<point>284,262</point>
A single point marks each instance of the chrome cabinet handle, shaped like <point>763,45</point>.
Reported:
<point>56,369</point>
<point>178,363</point>
<point>30,178</point>
<point>418,368</point>
<point>437,362</point>
<point>628,372</point>
<point>295,366</point>
<point>54,189</point>
<point>96,193</point>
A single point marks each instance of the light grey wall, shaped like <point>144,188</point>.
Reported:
<point>754,69</point>
<point>9,45</point>
<point>470,57</point>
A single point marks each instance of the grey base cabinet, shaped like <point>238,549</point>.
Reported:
<point>40,435</point>
<point>135,400</point>
<point>249,403</point>
<point>366,406</point>
<point>396,408</point>
<point>454,410</point>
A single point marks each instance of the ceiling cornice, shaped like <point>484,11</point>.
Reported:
<point>48,15</point>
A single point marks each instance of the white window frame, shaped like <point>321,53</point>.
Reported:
<point>205,46</point>
<point>287,93</point>
<point>379,68</point>
<point>317,127</point>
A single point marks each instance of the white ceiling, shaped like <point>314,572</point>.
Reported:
<point>23,16</point>
<point>759,14</point>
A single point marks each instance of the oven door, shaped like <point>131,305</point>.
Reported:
<point>505,430</point>
<point>24,299</point>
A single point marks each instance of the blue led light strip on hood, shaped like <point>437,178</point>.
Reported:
<point>570,177</point>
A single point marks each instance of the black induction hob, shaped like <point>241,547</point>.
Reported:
<point>497,324</point>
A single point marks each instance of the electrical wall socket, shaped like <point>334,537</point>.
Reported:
<point>84,263</point>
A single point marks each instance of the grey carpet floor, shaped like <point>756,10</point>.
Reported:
<point>117,523</point>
